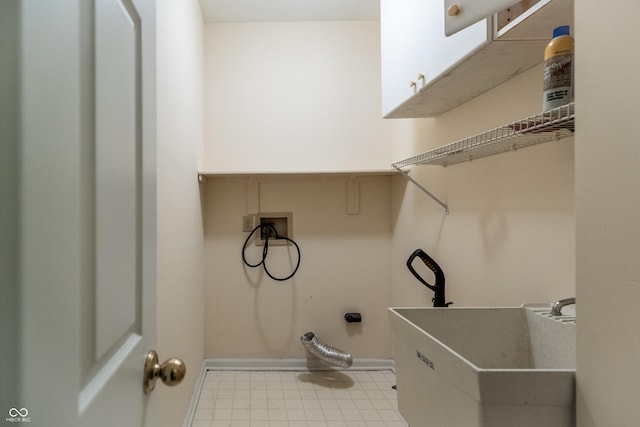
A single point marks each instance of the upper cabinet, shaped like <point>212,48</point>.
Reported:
<point>426,73</point>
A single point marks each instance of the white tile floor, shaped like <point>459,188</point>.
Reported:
<point>298,399</point>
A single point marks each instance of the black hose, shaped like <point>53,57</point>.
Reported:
<point>265,251</point>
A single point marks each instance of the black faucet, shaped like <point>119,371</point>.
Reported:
<point>438,288</point>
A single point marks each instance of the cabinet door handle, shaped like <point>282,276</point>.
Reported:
<point>454,10</point>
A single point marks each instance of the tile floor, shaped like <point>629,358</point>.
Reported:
<point>298,399</point>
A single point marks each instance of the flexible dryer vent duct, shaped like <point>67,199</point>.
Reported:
<point>326,353</point>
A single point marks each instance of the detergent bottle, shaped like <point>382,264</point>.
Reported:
<point>558,70</point>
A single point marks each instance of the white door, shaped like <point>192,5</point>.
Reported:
<point>85,213</point>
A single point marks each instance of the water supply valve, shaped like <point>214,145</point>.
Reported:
<point>353,317</point>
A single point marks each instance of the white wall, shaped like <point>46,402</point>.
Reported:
<point>509,237</point>
<point>294,96</point>
<point>180,318</point>
<point>607,208</point>
<point>344,268</point>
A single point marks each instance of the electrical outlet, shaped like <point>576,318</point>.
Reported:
<point>247,223</point>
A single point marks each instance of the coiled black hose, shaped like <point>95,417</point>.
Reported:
<point>265,251</point>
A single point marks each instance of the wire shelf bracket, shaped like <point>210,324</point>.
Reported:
<point>424,190</point>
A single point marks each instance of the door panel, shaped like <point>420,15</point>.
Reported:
<point>122,284</point>
<point>87,237</point>
<point>118,147</point>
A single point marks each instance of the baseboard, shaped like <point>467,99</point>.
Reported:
<point>275,365</point>
<point>294,365</point>
<point>195,396</point>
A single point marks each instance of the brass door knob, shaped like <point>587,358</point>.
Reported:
<point>171,372</point>
<point>454,10</point>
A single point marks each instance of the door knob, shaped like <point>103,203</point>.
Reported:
<point>171,372</point>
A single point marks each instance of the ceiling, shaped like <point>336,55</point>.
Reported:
<point>290,10</point>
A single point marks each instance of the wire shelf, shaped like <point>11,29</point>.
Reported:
<point>544,127</point>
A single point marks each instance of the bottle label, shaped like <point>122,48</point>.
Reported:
<point>557,80</point>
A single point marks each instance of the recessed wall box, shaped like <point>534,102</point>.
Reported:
<point>283,224</point>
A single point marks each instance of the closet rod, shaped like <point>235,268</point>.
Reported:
<point>424,190</point>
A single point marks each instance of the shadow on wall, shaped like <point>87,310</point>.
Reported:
<point>263,314</point>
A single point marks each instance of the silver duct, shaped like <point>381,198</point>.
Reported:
<point>324,352</point>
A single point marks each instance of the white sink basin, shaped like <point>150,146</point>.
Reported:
<point>484,367</point>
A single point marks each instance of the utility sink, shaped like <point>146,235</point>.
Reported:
<point>484,367</point>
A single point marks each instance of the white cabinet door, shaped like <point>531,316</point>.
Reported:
<point>459,14</point>
<point>415,48</point>
<point>401,50</point>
